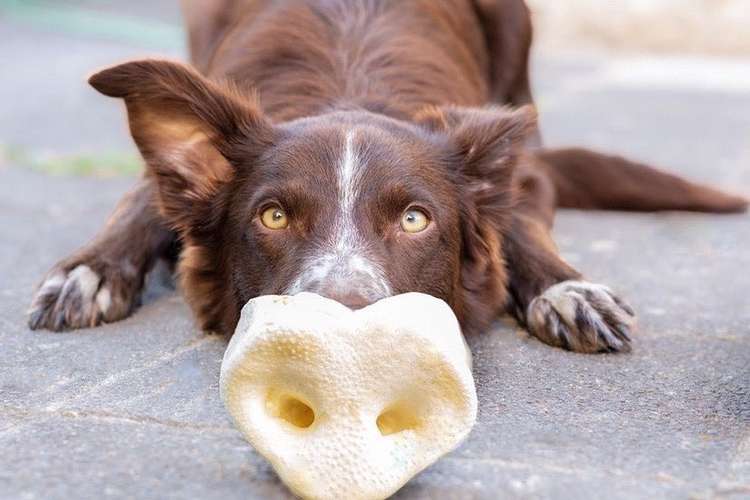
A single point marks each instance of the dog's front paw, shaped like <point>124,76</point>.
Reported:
<point>582,317</point>
<point>84,293</point>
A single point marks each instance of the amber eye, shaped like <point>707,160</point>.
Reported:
<point>274,218</point>
<point>414,221</point>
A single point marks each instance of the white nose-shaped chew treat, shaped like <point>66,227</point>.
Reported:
<point>349,404</point>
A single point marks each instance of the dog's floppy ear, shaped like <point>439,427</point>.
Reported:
<point>487,143</point>
<point>191,131</point>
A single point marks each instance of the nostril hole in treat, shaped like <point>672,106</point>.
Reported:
<point>291,409</point>
<point>395,419</point>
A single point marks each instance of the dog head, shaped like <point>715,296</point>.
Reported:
<point>351,205</point>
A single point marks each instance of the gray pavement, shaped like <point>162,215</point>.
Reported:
<point>131,410</point>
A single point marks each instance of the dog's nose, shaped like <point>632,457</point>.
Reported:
<point>354,294</point>
<point>349,404</point>
<point>352,300</point>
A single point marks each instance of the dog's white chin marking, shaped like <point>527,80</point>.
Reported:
<point>581,316</point>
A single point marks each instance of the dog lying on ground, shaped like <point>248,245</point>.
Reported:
<point>356,149</point>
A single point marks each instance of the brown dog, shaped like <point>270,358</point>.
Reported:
<point>357,149</point>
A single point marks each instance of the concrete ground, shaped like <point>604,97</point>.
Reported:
<point>132,410</point>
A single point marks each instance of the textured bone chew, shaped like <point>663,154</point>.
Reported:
<point>349,404</point>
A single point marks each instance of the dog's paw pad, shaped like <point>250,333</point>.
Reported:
<point>81,298</point>
<point>582,317</point>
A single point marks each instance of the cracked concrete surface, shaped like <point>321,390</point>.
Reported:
<point>132,410</point>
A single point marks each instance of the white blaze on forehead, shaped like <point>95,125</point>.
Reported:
<point>346,235</point>
<point>344,256</point>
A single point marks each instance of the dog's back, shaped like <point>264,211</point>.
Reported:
<point>305,57</point>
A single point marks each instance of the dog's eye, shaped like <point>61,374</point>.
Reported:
<point>274,218</point>
<point>414,221</point>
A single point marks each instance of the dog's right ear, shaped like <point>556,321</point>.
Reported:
<point>193,132</point>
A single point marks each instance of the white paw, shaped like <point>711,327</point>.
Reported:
<point>582,317</point>
<point>81,298</point>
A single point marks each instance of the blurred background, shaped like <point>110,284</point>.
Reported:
<point>635,63</point>
<point>717,27</point>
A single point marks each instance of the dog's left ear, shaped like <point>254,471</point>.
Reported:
<point>487,143</point>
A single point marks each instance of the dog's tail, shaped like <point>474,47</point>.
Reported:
<point>589,180</point>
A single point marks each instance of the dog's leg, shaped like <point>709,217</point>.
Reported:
<point>102,281</point>
<point>551,298</point>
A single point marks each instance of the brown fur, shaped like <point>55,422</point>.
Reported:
<point>589,180</point>
<point>417,88</point>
